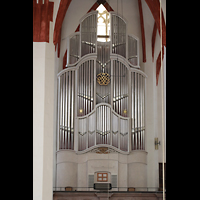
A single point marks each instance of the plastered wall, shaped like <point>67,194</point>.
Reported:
<point>130,12</point>
<point>46,65</point>
<point>73,169</point>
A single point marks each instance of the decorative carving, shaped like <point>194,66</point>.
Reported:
<point>103,78</point>
<point>103,150</point>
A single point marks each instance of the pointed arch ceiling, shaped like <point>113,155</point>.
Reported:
<point>154,6</point>
<point>63,7</point>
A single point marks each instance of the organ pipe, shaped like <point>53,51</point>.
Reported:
<point>132,50</point>
<point>85,88</point>
<point>89,34</point>
<point>66,110</point>
<point>98,128</point>
<point>137,103</point>
<point>102,111</point>
<point>120,88</point>
<point>118,35</point>
<point>74,48</point>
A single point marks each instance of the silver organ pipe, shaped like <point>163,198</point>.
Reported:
<point>103,65</point>
<point>91,130</point>
<point>85,88</point>
<point>137,103</point>
<point>66,110</point>
<point>124,135</point>
<point>115,130</point>
<point>138,125</point>
<point>120,88</point>
<point>85,105</point>
<point>74,48</point>
<point>60,111</point>
<point>94,124</point>
<point>103,128</point>
<point>100,119</point>
<point>118,35</point>
<point>89,34</point>
<point>132,50</point>
<point>82,134</point>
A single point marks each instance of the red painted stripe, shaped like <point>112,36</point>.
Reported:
<point>59,40</point>
<point>153,40</point>
<point>158,65</point>
<point>42,14</point>
<point>94,7</point>
<point>65,59</point>
<point>78,28</point>
<point>108,7</point>
<point>63,7</point>
<point>154,6</point>
<point>142,30</point>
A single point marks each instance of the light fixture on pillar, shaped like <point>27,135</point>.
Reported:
<point>156,143</point>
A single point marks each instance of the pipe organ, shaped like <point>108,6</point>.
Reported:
<point>74,48</point>
<point>101,93</point>
<point>85,97</point>
<point>88,34</point>
<point>103,65</point>
<point>66,97</point>
<point>118,35</point>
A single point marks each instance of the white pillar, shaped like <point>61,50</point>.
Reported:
<point>38,117</point>
<point>44,114</point>
<point>151,125</point>
<point>43,120</point>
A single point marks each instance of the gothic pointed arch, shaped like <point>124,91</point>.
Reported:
<point>63,7</point>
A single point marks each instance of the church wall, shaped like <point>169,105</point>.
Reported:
<point>123,176</point>
<point>82,181</point>
<point>44,90</point>
<point>150,100</point>
<point>43,109</point>
<point>77,10</point>
<point>137,169</point>
<point>38,117</point>
<point>137,175</point>
<point>159,113</point>
<point>67,174</point>
<point>73,169</point>
<point>153,99</point>
<point>46,65</point>
<point>56,67</point>
<point>67,168</point>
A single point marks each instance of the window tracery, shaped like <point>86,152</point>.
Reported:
<point>103,24</point>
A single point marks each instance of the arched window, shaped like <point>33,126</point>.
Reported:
<point>103,24</point>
